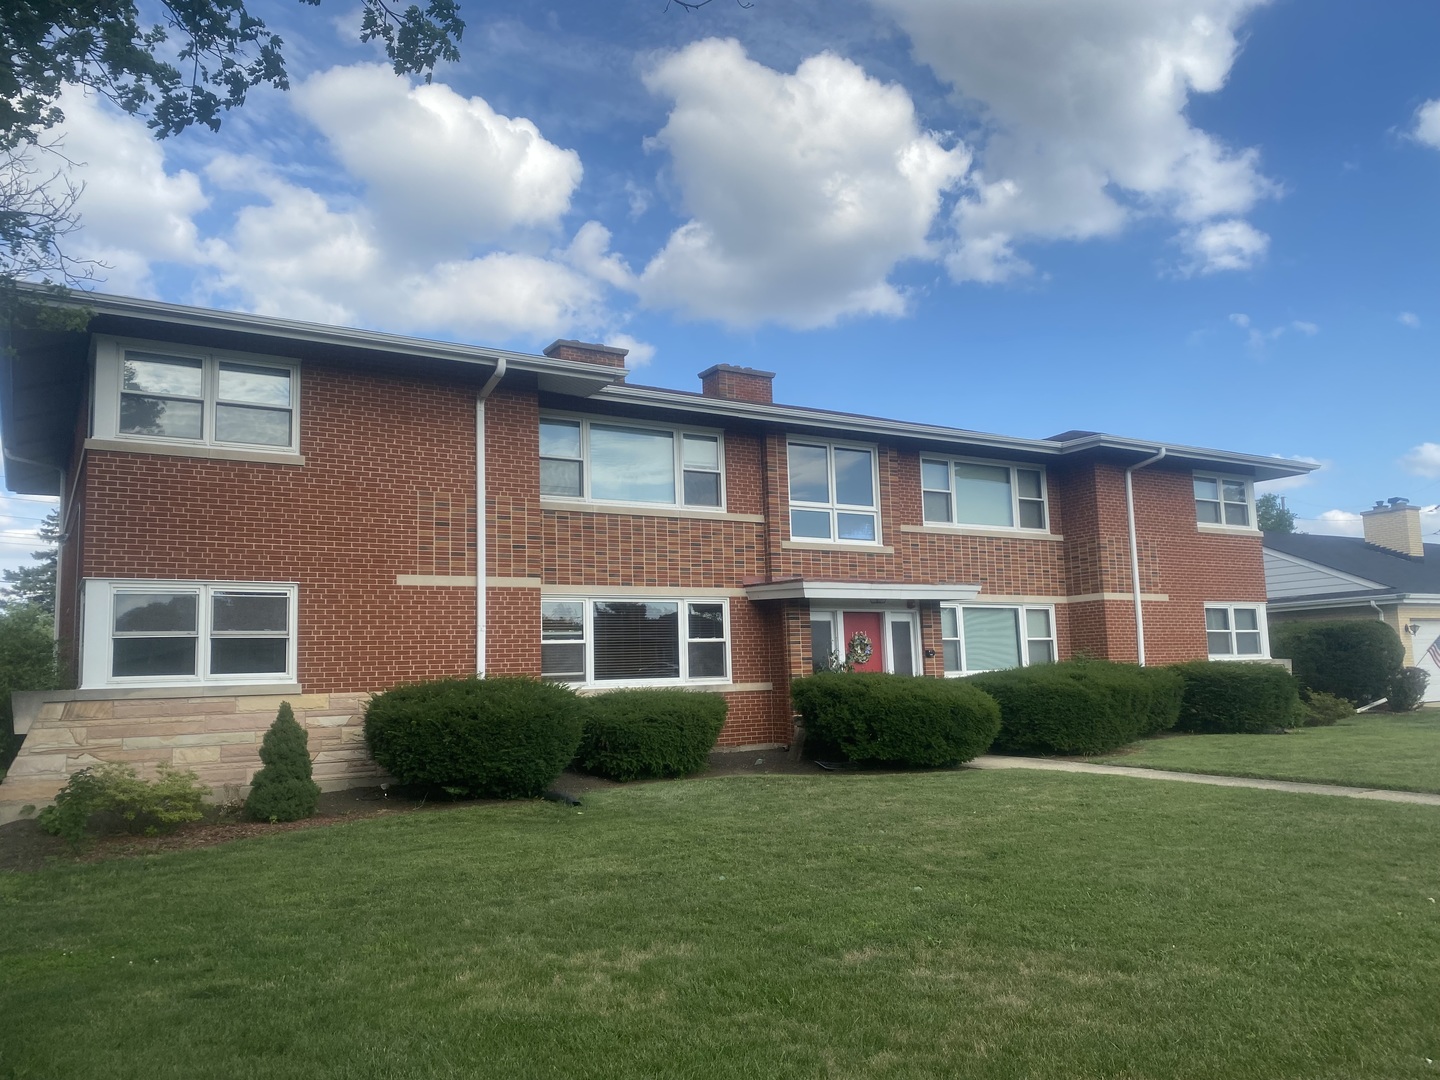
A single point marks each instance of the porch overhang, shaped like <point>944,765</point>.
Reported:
<point>864,591</point>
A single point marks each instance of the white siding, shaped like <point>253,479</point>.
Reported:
<point>1287,577</point>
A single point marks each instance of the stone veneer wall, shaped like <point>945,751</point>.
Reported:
<point>216,737</point>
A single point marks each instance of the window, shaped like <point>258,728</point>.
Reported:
<point>162,633</point>
<point>832,493</point>
<point>982,638</point>
<point>982,493</point>
<point>1221,500</point>
<point>1235,631</point>
<point>634,641</point>
<point>604,462</point>
<point>201,398</point>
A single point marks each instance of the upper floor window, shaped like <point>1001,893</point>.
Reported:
<point>1222,500</point>
<point>986,637</point>
<point>833,493</point>
<point>199,397</point>
<point>159,633</point>
<point>1235,631</point>
<point>623,463</point>
<point>983,493</point>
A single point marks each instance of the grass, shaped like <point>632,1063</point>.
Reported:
<point>1374,751</point>
<point>957,924</point>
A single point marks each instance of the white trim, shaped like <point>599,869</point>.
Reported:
<point>860,591</point>
<point>580,506</point>
<point>683,641</point>
<point>105,418</point>
<point>1231,530</point>
<point>1022,631</point>
<point>862,546</point>
<point>135,444</point>
<point>97,626</point>
<point>679,507</point>
<point>936,529</point>
<point>834,507</point>
<point>451,580</point>
<point>634,592</point>
<point>1252,527</point>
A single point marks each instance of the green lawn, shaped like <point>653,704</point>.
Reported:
<point>954,924</point>
<point>1377,751</point>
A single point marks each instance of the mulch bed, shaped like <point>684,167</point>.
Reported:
<point>24,847</point>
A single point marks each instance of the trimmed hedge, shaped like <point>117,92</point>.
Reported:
<point>1229,697</point>
<point>505,737</point>
<point>897,719</point>
<point>1355,659</point>
<point>651,733</point>
<point>1081,706</point>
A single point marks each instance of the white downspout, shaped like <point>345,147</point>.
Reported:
<point>480,547</point>
<point>1134,552</point>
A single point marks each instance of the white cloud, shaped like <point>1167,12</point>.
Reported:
<point>1423,460</point>
<point>442,172</point>
<point>1084,103</point>
<point>1223,245</point>
<point>1256,339</point>
<point>1332,523</point>
<point>133,211</point>
<point>804,191</point>
<point>1426,128</point>
<point>1241,319</point>
<point>1309,329</point>
<point>1410,319</point>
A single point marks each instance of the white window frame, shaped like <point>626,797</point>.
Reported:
<point>1220,480</point>
<point>890,615</point>
<point>1015,497</point>
<point>1021,626</point>
<point>109,361</point>
<point>1260,621</point>
<point>97,649</point>
<point>834,507</point>
<point>587,606</point>
<point>678,452</point>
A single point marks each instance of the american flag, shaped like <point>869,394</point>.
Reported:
<point>1433,653</point>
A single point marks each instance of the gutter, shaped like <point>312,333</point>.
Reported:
<point>1134,554</point>
<point>481,550</point>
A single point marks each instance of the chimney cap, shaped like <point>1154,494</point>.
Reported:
<point>563,343</point>
<point>714,368</point>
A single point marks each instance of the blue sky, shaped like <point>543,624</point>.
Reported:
<point>1209,222</point>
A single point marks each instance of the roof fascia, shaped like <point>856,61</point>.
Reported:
<point>846,590</point>
<point>1337,601</point>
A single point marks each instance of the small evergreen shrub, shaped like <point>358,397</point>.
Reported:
<point>897,719</point>
<point>1356,659</point>
<point>1081,706</point>
<point>646,734</point>
<point>116,789</point>
<point>1319,709</point>
<point>501,737</point>
<point>1230,697</point>
<point>283,790</point>
<point>1407,689</point>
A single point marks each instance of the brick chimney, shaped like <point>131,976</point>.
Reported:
<point>1395,526</point>
<point>737,383</point>
<point>587,353</point>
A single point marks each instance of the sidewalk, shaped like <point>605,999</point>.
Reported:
<point>993,761</point>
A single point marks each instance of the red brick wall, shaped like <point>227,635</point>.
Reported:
<point>380,452</point>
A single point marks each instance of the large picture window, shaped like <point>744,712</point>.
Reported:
<point>623,463</point>
<point>833,493</point>
<point>989,637</point>
<point>627,641</point>
<point>983,493</point>
<point>180,632</point>
<point>202,398</point>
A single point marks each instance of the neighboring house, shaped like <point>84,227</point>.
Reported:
<point>255,509</point>
<point>1390,574</point>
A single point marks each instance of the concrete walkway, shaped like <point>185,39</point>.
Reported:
<point>994,761</point>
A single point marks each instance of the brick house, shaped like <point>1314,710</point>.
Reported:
<point>255,509</point>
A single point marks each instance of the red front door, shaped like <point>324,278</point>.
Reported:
<point>872,625</point>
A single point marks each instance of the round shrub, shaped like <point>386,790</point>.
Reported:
<point>647,734</point>
<point>1351,658</point>
<point>1319,709</point>
<point>897,719</point>
<point>1407,689</point>
<point>1229,697</point>
<point>505,737</point>
<point>283,790</point>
